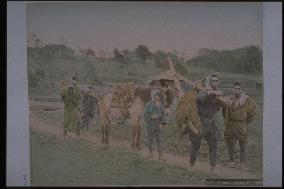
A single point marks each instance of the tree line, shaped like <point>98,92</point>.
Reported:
<point>58,61</point>
<point>242,60</point>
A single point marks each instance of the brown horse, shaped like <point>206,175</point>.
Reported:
<point>136,101</point>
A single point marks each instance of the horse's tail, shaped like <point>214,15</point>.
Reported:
<point>102,110</point>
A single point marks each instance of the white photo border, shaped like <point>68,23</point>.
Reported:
<point>18,149</point>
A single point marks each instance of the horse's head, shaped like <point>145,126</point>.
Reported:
<point>129,91</point>
<point>168,96</point>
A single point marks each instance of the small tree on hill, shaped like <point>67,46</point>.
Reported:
<point>117,55</point>
<point>34,41</point>
<point>90,52</point>
<point>143,52</point>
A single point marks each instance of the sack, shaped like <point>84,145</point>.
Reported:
<point>187,110</point>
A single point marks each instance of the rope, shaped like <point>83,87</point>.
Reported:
<point>116,132</point>
<point>226,119</point>
<point>109,118</point>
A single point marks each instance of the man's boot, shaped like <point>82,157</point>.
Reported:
<point>244,167</point>
<point>212,168</point>
<point>78,132</point>
<point>191,161</point>
<point>64,134</point>
<point>232,164</point>
<point>151,154</point>
<point>161,157</point>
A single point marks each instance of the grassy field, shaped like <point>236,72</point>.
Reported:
<point>74,162</point>
<point>172,142</point>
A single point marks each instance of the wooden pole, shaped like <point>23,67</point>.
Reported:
<point>176,80</point>
<point>224,100</point>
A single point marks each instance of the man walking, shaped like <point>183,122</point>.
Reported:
<point>207,108</point>
<point>238,115</point>
<point>88,108</point>
<point>154,115</point>
<point>71,98</point>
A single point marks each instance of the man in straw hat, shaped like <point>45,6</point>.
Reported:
<point>238,116</point>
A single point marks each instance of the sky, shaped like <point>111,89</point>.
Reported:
<point>183,26</point>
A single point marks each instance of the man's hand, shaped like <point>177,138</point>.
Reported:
<point>180,77</point>
<point>167,112</point>
<point>209,91</point>
<point>175,75</point>
<point>218,93</point>
<point>195,131</point>
<point>162,125</point>
<point>154,116</point>
<point>198,83</point>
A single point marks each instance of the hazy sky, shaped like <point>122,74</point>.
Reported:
<point>184,26</point>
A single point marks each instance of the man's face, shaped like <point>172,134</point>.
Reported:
<point>157,98</point>
<point>214,82</point>
<point>237,90</point>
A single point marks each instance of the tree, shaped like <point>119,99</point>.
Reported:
<point>243,60</point>
<point>161,59</point>
<point>127,57</point>
<point>117,55</point>
<point>143,52</point>
<point>34,41</point>
<point>90,52</point>
<point>101,53</point>
<point>63,41</point>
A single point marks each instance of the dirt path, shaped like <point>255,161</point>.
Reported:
<point>176,160</point>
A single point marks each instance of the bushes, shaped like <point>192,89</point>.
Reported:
<point>243,60</point>
<point>52,63</point>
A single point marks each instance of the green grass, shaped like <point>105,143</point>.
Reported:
<point>180,146</point>
<point>171,140</point>
<point>174,145</point>
<point>74,162</point>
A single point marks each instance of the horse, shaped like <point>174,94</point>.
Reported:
<point>132,109</point>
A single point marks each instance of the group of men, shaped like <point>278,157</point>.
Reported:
<point>79,107</point>
<point>238,115</point>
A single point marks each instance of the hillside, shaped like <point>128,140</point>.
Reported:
<point>50,64</point>
<point>246,60</point>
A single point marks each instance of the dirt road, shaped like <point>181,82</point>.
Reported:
<point>176,160</point>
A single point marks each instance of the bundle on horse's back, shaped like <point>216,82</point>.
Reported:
<point>186,110</point>
<point>121,92</point>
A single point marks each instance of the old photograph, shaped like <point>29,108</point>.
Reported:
<point>145,93</point>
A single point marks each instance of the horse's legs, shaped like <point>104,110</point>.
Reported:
<point>103,132</point>
<point>133,137</point>
<point>138,134</point>
<point>107,134</point>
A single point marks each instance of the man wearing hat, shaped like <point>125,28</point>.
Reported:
<point>88,108</point>
<point>71,98</point>
<point>154,115</point>
<point>238,116</point>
